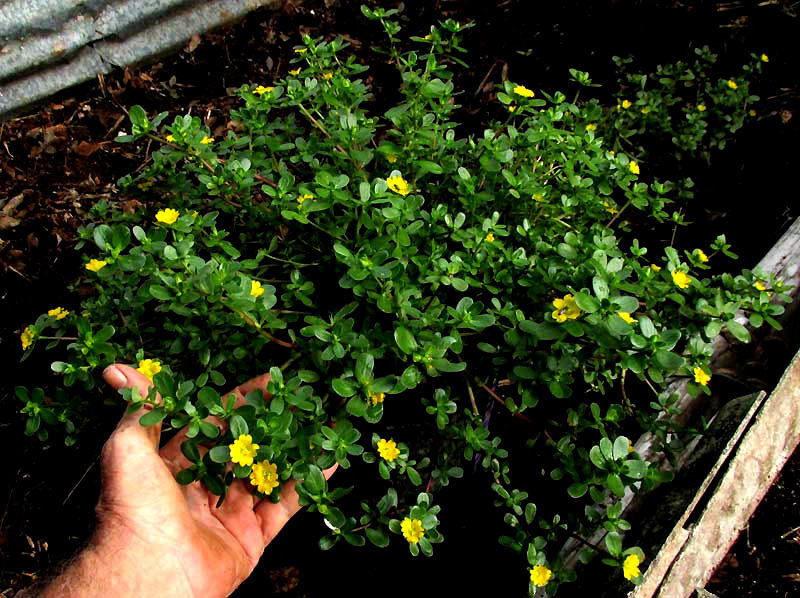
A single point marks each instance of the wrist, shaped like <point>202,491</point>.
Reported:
<point>115,564</point>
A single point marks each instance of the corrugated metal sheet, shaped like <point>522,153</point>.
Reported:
<point>49,45</point>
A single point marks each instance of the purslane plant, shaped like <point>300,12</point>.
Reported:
<point>373,261</point>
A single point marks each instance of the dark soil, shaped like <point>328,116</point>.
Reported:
<point>60,159</point>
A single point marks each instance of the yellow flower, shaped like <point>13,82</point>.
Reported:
<point>327,76</point>
<point>27,337</point>
<point>566,309</point>
<point>764,58</point>
<point>630,568</point>
<point>609,208</point>
<point>207,140</point>
<point>294,72</point>
<point>375,397</point>
<point>540,575</point>
<point>391,158</point>
<point>96,265</point>
<point>626,316</point>
<point>760,286</point>
<point>646,110</point>
<point>633,167</point>
<point>149,367</point>
<point>591,127</point>
<point>300,50</point>
<point>511,108</point>
<point>388,450</point>
<point>537,197</point>
<point>489,238</point>
<point>701,107</point>
<point>700,376</point>
<point>168,216</point>
<point>752,113</point>
<point>256,290</point>
<point>412,530</point>
<point>681,279</point>
<point>523,91</point>
<point>732,84</point>
<point>170,138</point>
<point>701,255</point>
<point>398,184</point>
<point>264,476</point>
<point>58,313</point>
<point>261,90</point>
<point>626,104</point>
<point>655,268</point>
<point>304,197</point>
<point>243,451</point>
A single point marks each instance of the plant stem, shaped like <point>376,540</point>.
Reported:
<point>472,397</point>
<point>263,332</point>
<point>587,543</point>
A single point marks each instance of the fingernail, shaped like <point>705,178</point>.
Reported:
<point>114,377</point>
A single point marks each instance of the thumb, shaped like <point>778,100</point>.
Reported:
<point>120,376</point>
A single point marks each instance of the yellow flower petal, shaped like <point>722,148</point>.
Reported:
<point>264,476</point>
<point>243,450</point>
<point>59,313</point>
<point>681,279</point>
<point>700,376</point>
<point>523,91</point>
<point>566,309</point>
<point>96,265</point>
<point>630,567</point>
<point>412,530</point>
<point>27,337</point>
<point>167,216</point>
<point>149,367</point>
<point>540,575</point>
<point>261,90</point>
<point>256,290</point>
<point>388,450</point>
<point>398,184</point>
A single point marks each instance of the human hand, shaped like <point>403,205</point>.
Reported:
<point>156,537</point>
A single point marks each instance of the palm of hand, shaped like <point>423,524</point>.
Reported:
<point>177,530</point>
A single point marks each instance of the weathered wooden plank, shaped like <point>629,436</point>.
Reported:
<point>764,450</point>
<point>688,493</point>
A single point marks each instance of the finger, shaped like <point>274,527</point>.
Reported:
<point>274,516</point>
<point>120,376</point>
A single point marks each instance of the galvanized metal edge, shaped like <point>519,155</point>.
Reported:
<point>64,53</point>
